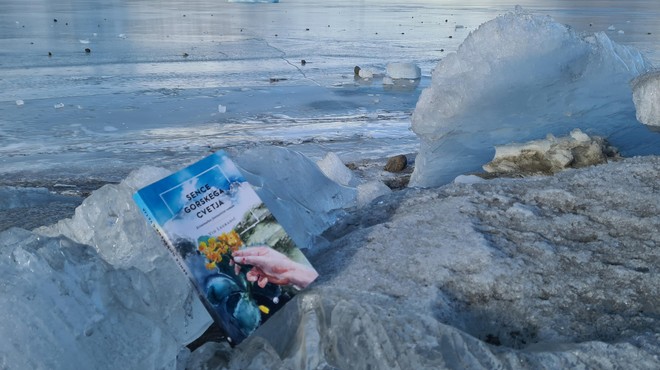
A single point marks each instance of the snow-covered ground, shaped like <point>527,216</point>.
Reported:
<point>549,272</point>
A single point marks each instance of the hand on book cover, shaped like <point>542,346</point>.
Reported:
<point>272,266</point>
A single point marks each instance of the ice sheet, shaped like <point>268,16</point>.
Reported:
<point>137,99</point>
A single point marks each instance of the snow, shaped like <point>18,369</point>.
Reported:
<point>646,96</point>
<point>520,77</point>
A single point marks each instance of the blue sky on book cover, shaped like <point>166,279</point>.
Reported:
<point>166,198</point>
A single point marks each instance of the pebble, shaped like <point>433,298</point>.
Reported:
<point>396,164</point>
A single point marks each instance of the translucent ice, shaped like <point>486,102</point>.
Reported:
<point>332,167</point>
<point>369,191</point>
<point>294,188</point>
<point>111,223</point>
<point>404,70</point>
<point>64,307</point>
<point>517,78</point>
<point>646,95</point>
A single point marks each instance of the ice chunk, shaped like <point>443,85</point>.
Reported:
<point>366,73</point>
<point>109,221</point>
<point>19,102</point>
<point>58,105</point>
<point>296,191</point>
<point>646,95</point>
<point>253,1</point>
<point>611,28</point>
<point>332,167</point>
<point>64,307</point>
<point>536,273</point>
<point>222,108</point>
<point>404,70</point>
<point>370,191</point>
<point>517,78</point>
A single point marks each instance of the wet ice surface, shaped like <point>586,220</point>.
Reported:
<point>150,87</point>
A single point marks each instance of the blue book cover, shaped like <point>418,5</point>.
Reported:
<point>239,258</point>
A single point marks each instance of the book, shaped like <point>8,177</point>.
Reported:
<point>240,260</point>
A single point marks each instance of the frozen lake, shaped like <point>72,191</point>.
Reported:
<point>159,73</point>
<point>535,272</point>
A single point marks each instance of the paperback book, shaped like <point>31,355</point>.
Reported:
<point>238,257</point>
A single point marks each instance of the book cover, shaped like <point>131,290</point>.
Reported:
<point>239,258</point>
